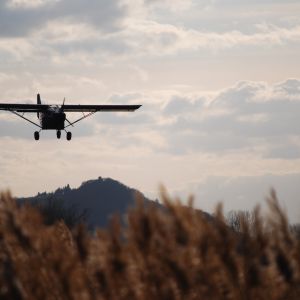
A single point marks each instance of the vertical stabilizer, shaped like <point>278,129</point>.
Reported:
<point>38,102</point>
<point>39,99</point>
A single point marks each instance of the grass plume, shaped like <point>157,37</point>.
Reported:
<point>176,253</point>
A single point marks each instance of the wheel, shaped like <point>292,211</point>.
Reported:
<point>36,135</point>
<point>58,134</point>
<point>69,136</point>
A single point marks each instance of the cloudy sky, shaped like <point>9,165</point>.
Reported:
<point>219,81</point>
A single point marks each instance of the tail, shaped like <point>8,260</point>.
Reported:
<point>39,99</point>
<point>38,102</point>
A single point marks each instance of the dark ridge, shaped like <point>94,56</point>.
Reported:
<point>97,199</point>
<point>100,199</point>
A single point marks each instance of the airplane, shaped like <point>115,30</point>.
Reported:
<point>53,117</point>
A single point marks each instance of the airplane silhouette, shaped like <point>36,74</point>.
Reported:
<point>53,117</point>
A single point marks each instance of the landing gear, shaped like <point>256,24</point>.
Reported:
<point>36,135</point>
<point>58,135</point>
<point>69,136</point>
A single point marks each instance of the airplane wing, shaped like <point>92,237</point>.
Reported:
<point>39,108</point>
<point>95,108</point>
<point>23,107</point>
<point>67,108</point>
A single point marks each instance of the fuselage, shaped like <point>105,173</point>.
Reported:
<point>52,118</point>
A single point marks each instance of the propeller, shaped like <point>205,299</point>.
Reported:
<point>62,109</point>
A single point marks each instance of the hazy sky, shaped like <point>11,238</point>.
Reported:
<point>219,82</point>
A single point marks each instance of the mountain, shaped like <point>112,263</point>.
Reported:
<point>100,199</point>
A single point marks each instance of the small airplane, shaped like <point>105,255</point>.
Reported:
<point>53,117</point>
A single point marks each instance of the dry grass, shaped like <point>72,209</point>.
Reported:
<point>178,254</point>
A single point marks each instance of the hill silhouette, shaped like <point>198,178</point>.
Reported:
<point>100,199</point>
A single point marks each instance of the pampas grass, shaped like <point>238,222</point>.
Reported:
<point>176,253</point>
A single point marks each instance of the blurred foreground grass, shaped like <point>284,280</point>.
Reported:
<point>177,253</point>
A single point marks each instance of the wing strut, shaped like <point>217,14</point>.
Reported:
<point>19,115</point>
<point>84,117</point>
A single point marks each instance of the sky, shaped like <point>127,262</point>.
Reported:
<point>218,81</point>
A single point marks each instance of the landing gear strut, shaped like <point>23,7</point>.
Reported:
<point>58,134</point>
<point>36,135</point>
<point>69,136</point>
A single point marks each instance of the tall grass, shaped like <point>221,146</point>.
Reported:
<point>177,253</point>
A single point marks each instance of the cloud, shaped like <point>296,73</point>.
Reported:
<point>70,30</point>
<point>163,39</point>
<point>248,116</point>
<point>173,5</point>
<point>179,105</point>
<point>147,38</point>
<point>21,18</point>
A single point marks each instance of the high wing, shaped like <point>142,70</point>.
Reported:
<point>95,108</point>
<point>67,108</point>
<point>23,107</point>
